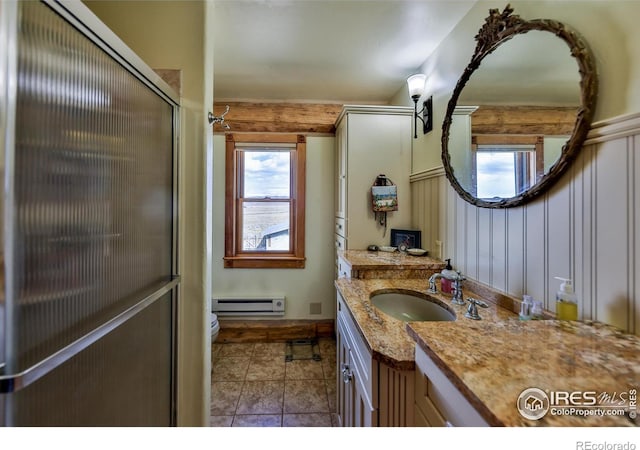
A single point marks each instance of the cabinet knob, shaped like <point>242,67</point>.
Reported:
<point>347,374</point>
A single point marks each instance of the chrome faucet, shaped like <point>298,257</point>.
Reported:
<point>458,297</point>
<point>432,283</point>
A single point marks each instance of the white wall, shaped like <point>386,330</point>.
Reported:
<point>586,227</point>
<point>171,35</point>
<point>314,283</point>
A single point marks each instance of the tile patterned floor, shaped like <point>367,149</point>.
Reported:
<point>253,386</point>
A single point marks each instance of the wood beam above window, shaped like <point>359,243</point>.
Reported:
<point>523,120</point>
<point>247,117</point>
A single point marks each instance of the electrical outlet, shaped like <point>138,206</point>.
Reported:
<point>315,308</point>
<point>438,249</point>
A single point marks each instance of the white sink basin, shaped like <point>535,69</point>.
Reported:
<point>411,308</point>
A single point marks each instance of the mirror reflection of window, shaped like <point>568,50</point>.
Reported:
<point>504,172</point>
<point>505,166</point>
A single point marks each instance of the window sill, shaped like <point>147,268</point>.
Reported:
<point>264,262</point>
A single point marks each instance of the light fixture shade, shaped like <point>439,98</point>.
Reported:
<point>416,85</point>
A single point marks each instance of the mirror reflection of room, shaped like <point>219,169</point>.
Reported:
<point>520,110</point>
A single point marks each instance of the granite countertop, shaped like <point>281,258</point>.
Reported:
<point>493,360</point>
<point>378,260</point>
<point>386,336</point>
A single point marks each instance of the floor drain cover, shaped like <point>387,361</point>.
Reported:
<point>302,349</point>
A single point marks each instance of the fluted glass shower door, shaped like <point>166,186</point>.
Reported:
<point>89,266</point>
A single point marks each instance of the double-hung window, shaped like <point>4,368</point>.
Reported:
<point>265,201</point>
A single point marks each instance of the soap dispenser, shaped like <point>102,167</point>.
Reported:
<point>448,275</point>
<point>566,301</point>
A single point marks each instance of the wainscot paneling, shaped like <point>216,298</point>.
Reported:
<point>587,227</point>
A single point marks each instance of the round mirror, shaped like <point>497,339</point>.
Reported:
<point>520,111</point>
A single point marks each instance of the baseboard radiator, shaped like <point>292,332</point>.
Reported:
<point>248,306</point>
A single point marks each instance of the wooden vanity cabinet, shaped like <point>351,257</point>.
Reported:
<point>355,372</point>
<point>370,393</point>
<point>354,404</point>
<point>438,403</point>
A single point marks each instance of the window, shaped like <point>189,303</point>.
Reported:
<point>265,201</point>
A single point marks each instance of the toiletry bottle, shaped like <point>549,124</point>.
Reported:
<point>448,275</point>
<point>525,307</point>
<point>536,310</point>
<point>566,301</point>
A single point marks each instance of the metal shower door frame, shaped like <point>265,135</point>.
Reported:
<point>82,19</point>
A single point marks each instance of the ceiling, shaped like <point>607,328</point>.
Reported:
<point>339,51</point>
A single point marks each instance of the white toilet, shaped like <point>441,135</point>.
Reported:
<point>215,327</point>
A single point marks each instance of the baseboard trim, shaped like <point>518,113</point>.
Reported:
<point>234,331</point>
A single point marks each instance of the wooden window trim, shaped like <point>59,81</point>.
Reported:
<point>233,258</point>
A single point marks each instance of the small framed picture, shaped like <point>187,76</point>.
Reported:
<point>385,198</point>
<point>406,238</point>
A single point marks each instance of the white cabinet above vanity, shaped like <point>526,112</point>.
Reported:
<point>370,140</point>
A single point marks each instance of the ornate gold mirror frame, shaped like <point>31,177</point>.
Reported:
<point>499,28</point>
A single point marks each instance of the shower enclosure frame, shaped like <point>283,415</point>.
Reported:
<point>13,377</point>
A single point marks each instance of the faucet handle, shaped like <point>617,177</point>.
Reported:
<point>472,309</point>
<point>475,301</point>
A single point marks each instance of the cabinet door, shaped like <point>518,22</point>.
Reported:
<point>419,418</point>
<point>343,389</point>
<point>341,169</point>
<point>427,414</point>
<point>354,406</point>
<point>363,414</point>
<point>377,144</point>
<point>439,400</point>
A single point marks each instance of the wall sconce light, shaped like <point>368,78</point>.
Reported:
<point>416,89</point>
